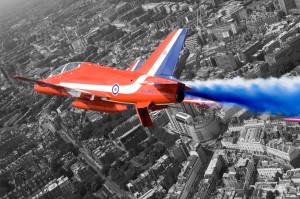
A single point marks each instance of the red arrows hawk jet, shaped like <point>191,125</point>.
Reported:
<point>148,86</point>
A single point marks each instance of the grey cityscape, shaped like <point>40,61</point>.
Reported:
<point>49,149</point>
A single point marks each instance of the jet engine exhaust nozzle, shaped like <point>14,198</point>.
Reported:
<point>179,96</point>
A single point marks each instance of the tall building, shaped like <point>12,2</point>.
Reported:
<point>200,128</point>
<point>184,122</point>
<point>189,109</point>
<point>245,168</point>
<point>159,118</point>
<point>179,151</point>
<point>206,127</point>
<point>286,5</point>
<point>186,178</point>
<point>215,166</point>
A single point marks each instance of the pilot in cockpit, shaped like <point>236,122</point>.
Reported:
<point>65,68</point>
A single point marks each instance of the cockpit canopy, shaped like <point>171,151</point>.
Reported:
<point>65,68</point>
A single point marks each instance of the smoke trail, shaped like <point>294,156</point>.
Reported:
<point>276,96</point>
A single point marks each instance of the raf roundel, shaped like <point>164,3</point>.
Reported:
<point>115,89</point>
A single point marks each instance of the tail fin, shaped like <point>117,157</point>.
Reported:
<point>135,65</point>
<point>163,60</point>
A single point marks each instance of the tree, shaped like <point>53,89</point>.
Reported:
<point>160,148</point>
<point>79,189</point>
<point>105,169</point>
<point>5,187</point>
<point>277,176</point>
<point>55,165</point>
<point>87,131</point>
<point>281,14</point>
<point>89,195</point>
<point>191,75</point>
<point>61,171</point>
<point>97,183</point>
<point>153,155</point>
<point>52,107</point>
<point>249,11</point>
<point>270,195</point>
<point>288,137</point>
<point>132,153</point>
<point>31,39</point>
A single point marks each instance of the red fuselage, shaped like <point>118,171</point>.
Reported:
<point>112,85</point>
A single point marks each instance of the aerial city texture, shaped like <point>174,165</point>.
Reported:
<point>224,123</point>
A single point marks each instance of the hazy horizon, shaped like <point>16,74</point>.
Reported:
<point>9,3</point>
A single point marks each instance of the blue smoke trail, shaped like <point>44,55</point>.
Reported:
<point>275,96</point>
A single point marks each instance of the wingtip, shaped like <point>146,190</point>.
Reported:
<point>17,77</point>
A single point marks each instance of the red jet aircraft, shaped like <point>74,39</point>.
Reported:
<point>148,86</point>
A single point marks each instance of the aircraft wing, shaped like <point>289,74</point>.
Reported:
<point>71,91</point>
<point>39,82</point>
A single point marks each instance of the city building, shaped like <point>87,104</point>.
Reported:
<point>246,54</point>
<point>124,127</point>
<point>231,179</point>
<point>179,151</point>
<point>228,111</point>
<point>189,109</point>
<point>186,178</point>
<point>257,20</point>
<point>293,175</point>
<point>231,142</point>
<point>225,61</point>
<point>192,42</point>
<point>224,30</point>
<point>281,150</point>
<point>55,189</point>
<point>201,128</point>
<point>251,140</point>
<point>79,45</point>
<point>267,169</point>
<point>150,178</point>
<point>206,127</point>
<point>287,5</point>
<point>159,118</point>
<point>133,137</point>
<point>246,170</point>
<point>80,171</point>
<point>206,188</point>
<point>215,166</point>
